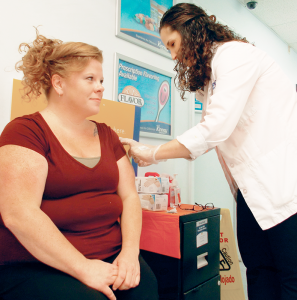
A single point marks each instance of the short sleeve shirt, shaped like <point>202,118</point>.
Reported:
<point>81,201</point>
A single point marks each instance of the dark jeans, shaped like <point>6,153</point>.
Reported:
<point>36,281</point>
<point>270,256</point>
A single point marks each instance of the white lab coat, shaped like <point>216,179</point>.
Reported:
<point>251,118</point>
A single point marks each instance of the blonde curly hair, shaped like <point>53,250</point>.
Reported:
<point>46,57</point>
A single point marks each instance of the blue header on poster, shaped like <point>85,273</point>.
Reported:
<point>149,90</point>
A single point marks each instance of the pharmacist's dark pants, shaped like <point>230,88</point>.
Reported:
<point>270,256</point>
<point>36,281</point>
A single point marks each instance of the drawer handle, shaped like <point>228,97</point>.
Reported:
<point>201,260</point>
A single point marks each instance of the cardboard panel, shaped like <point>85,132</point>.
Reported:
<point>232,286</point>
<point>23,106</point>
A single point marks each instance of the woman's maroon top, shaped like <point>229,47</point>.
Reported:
<point>82,202</point>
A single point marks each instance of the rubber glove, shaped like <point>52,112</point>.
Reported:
<point>143,155</point>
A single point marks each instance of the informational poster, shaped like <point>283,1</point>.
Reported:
<point>149,88</point>
<point>201,233</point>
<point>138,21</point>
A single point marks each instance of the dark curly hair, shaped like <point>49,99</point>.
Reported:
<point>198,33</point>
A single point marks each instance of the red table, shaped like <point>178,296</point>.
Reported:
<point>161,233</point>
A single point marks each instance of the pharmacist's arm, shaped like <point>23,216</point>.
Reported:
<point>148,154</point>
<point>23,174</point>
<point>236,67</point>
<point>131,222</point>
<point>172,149</point>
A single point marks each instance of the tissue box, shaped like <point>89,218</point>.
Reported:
<point>152,185</point>
<point>153,202</point>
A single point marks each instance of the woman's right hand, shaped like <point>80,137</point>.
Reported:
<point>99,275</point>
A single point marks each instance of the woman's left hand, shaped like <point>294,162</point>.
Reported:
<point>129,269</point>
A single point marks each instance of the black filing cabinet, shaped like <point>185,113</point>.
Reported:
<point>181,279</point>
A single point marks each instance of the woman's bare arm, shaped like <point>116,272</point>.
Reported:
<point>23,175</point>
<point>131,222</point>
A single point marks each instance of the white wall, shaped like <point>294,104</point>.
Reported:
<point>93,21</point>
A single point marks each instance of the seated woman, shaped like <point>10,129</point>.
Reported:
<point>64,183</point>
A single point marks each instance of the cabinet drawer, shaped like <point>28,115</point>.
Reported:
<point>209,290</point>
<point>191,275</point>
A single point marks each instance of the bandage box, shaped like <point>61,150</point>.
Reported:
<point>152,185</point>
<point>153,202</point>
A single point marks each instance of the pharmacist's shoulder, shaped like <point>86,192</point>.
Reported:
<point>237,51</point>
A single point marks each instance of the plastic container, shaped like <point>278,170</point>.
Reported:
<point>174,192</point>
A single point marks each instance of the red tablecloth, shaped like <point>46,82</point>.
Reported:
<point>160,232</point>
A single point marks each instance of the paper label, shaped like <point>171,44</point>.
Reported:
<point>152,185</point>
<point>153,202</point>
<point>201,233</point>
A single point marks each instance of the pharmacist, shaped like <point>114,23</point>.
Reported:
<point>250,118</point>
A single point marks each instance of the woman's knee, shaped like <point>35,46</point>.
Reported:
<point>40,282</point>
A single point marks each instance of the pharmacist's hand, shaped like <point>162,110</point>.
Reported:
<point>143,155</point>
<point>99,275</point>
<point>129,269</point>
<point>141,163</point>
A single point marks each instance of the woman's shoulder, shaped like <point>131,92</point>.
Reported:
<point>236,49</point>
<point>104,128</point>
<point>112,139</point>
<point>234,44</point>
<point>31,121</point>
<point>27,131</point>
<point>232,54</point>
